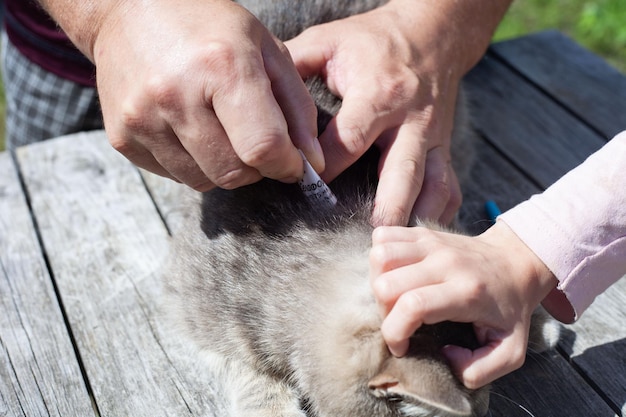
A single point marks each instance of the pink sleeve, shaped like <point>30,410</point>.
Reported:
<point>577,227</point>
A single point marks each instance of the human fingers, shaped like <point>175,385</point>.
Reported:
<point>406,118</point>
<point>174,128</point>
<point>402,259</point>
<point>423,305</point>
<point>148,141</point>
<point>434,297</point>
<point>261,102</point>
<point>163,128</point>
<point>386,257</point>
<point>309,53</point>
<point>391,248</point>
<point>384,234</point>
<point>296,104</point>
<point>250,99</point>
<point>401,175</point>
<point>202,136</point>
<point>436,191</point>
<point>498,357</point>
<point>142,158</point>
<point>373,99</point>
<point>389,287</point>
<point>396,246</point>
<point>367,110</point>
<point>344,140</point>
<point>455,200</point>
<point>170,160</point>
<point>252,119</point>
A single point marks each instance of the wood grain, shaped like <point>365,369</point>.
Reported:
<point>597,344</point>
<point>596,94</point>
<point>532,131</point>
<point>538,133</point>
<point>106,243</point>
<point>583,82</point>
<point>39,372</point>
<point>546,386</point>
<point>169,197</point>
<point>492,178</point>
<point>541,105</point>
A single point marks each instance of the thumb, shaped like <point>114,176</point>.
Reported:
<point>309,55</point>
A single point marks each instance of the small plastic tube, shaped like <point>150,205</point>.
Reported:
<point>315,189</point>
<point>492,210</point>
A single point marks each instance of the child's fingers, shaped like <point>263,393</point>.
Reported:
<point>424,305</point>
<point>389,256</point>
<point>391,286</point>
<point>385,234</point>
<point>488,363</point>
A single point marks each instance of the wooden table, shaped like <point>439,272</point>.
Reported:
<point>83,234</point>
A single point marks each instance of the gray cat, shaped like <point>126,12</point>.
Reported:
<point>276,292</point>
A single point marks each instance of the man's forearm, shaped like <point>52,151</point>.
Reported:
<point>81,20</point>
<point>465,27</point>
<point>471,23</point>
<point>475,22</point>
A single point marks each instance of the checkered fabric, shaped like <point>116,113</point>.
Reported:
<point>41,105</point>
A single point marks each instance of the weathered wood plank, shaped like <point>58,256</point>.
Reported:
<point>525,125</point>
<point>492,178</point>
<point>106,242</point>
<point>39,372</point>
<point>582,81</point>
<point>596,93</point>
<point>597,344</point>
<point>504,109</point>
<point>546,386</point>
<point>169,196</point>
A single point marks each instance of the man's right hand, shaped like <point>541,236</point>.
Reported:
<point>201,92</point>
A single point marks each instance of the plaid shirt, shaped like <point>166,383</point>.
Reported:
<point>38,38</point>
<point>42,105</point>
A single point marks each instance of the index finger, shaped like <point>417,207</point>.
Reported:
<point>350,133</point>
<point>403,320</point>
<point>402,168</point>
<point>425,305</point>
<point>439,184</point>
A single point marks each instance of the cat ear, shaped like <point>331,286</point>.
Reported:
<point>421,383</point>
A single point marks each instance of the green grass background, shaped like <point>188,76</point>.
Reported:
<point>598,25</point>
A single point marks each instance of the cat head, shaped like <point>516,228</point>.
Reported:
<point>421,384</point>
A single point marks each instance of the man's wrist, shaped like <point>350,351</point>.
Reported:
<point>466,27</point>
<point>81,21</point>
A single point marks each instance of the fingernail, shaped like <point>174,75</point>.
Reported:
<point>400,349</point>
<point>315,156</point>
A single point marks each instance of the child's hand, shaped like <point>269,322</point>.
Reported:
<point>494,281</point>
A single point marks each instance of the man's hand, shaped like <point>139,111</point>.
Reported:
<point>397,69</point>
<point>390,99</point>
<point>201,92</point>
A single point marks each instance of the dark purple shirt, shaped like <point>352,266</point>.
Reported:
<point>37,37</point>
